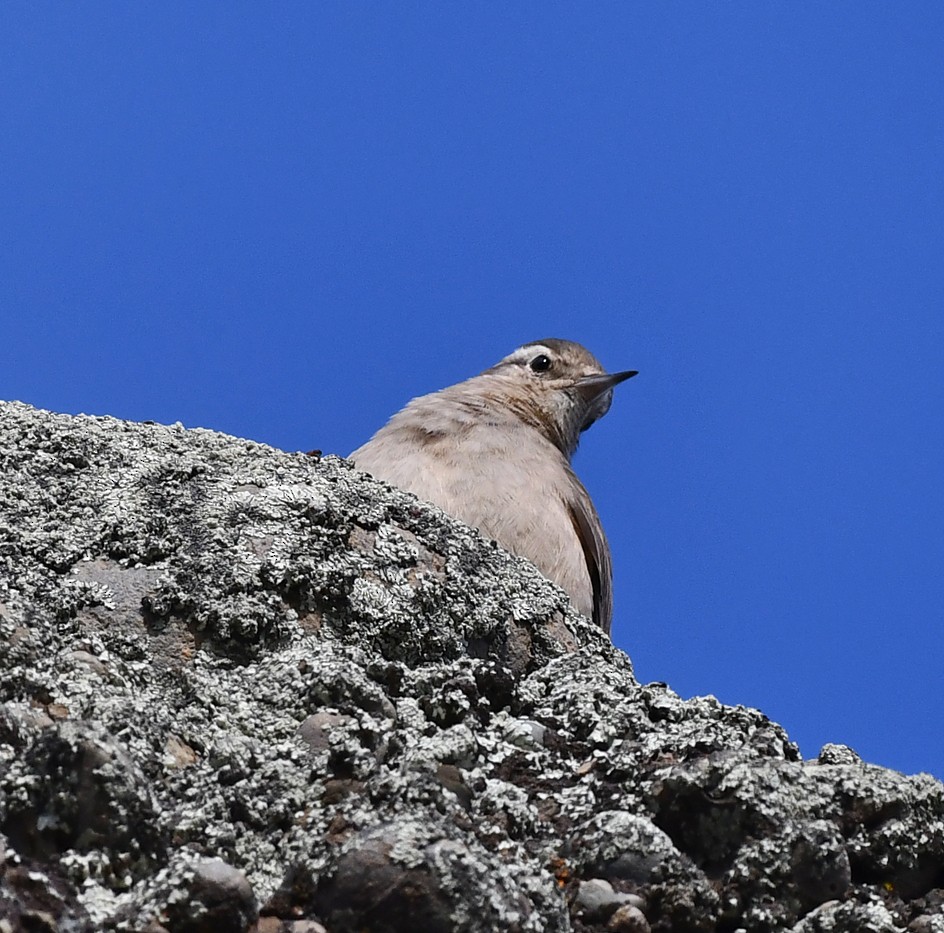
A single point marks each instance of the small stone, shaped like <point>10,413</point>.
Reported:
<point>111,803</point>
<point>274,925</point>
<point>628,919</point>
<point>832,754</point>
<point>17,723</point>
<point>33,898</point>
<point>451,778</point>
<point>367,877</point>
<point>316,729</point>
<point>927,924</point>
<point>177,753</point>
<point>596,899</point>
<point>220,900</point>
<point>524,733</point>
<point>90,661</point>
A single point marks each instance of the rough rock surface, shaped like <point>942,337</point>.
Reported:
<point>249,690</point>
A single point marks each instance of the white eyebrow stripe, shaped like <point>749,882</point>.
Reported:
<point>528,353</point>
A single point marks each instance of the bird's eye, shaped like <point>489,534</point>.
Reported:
<point>541,364</point>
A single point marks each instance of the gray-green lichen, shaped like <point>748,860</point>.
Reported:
<point>243,687</point>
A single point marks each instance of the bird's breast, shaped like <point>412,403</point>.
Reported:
<point>506,480</point>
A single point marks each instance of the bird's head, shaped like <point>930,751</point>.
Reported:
<point>556,385</point>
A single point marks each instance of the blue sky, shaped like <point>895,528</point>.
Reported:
<point>284,221</point>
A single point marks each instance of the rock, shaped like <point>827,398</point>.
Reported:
<point>218,899</point>
<point>628,919</point>
<point>372,889</point>
<point>234,676</point>
<point>190,895</point>
<point>92,795</point>
<point>833,754</point>
<point>597,900</point>
<point>274,925</point>
<point>34,897</point>
<point>316,729</point>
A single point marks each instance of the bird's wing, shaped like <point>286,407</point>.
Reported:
<point>596,550</point>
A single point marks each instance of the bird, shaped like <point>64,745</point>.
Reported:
<point>495,452</point>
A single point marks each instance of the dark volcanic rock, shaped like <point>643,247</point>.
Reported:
<point>250,690</point>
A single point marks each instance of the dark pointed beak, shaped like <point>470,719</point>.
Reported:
<point>591,387</point>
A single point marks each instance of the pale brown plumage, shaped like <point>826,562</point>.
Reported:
<point>495,450</point>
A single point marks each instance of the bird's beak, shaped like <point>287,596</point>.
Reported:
<point>591,387</point>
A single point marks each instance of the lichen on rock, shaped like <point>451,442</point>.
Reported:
<point>244,689</point>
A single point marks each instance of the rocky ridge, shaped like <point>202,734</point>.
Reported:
<point>246,690</point>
